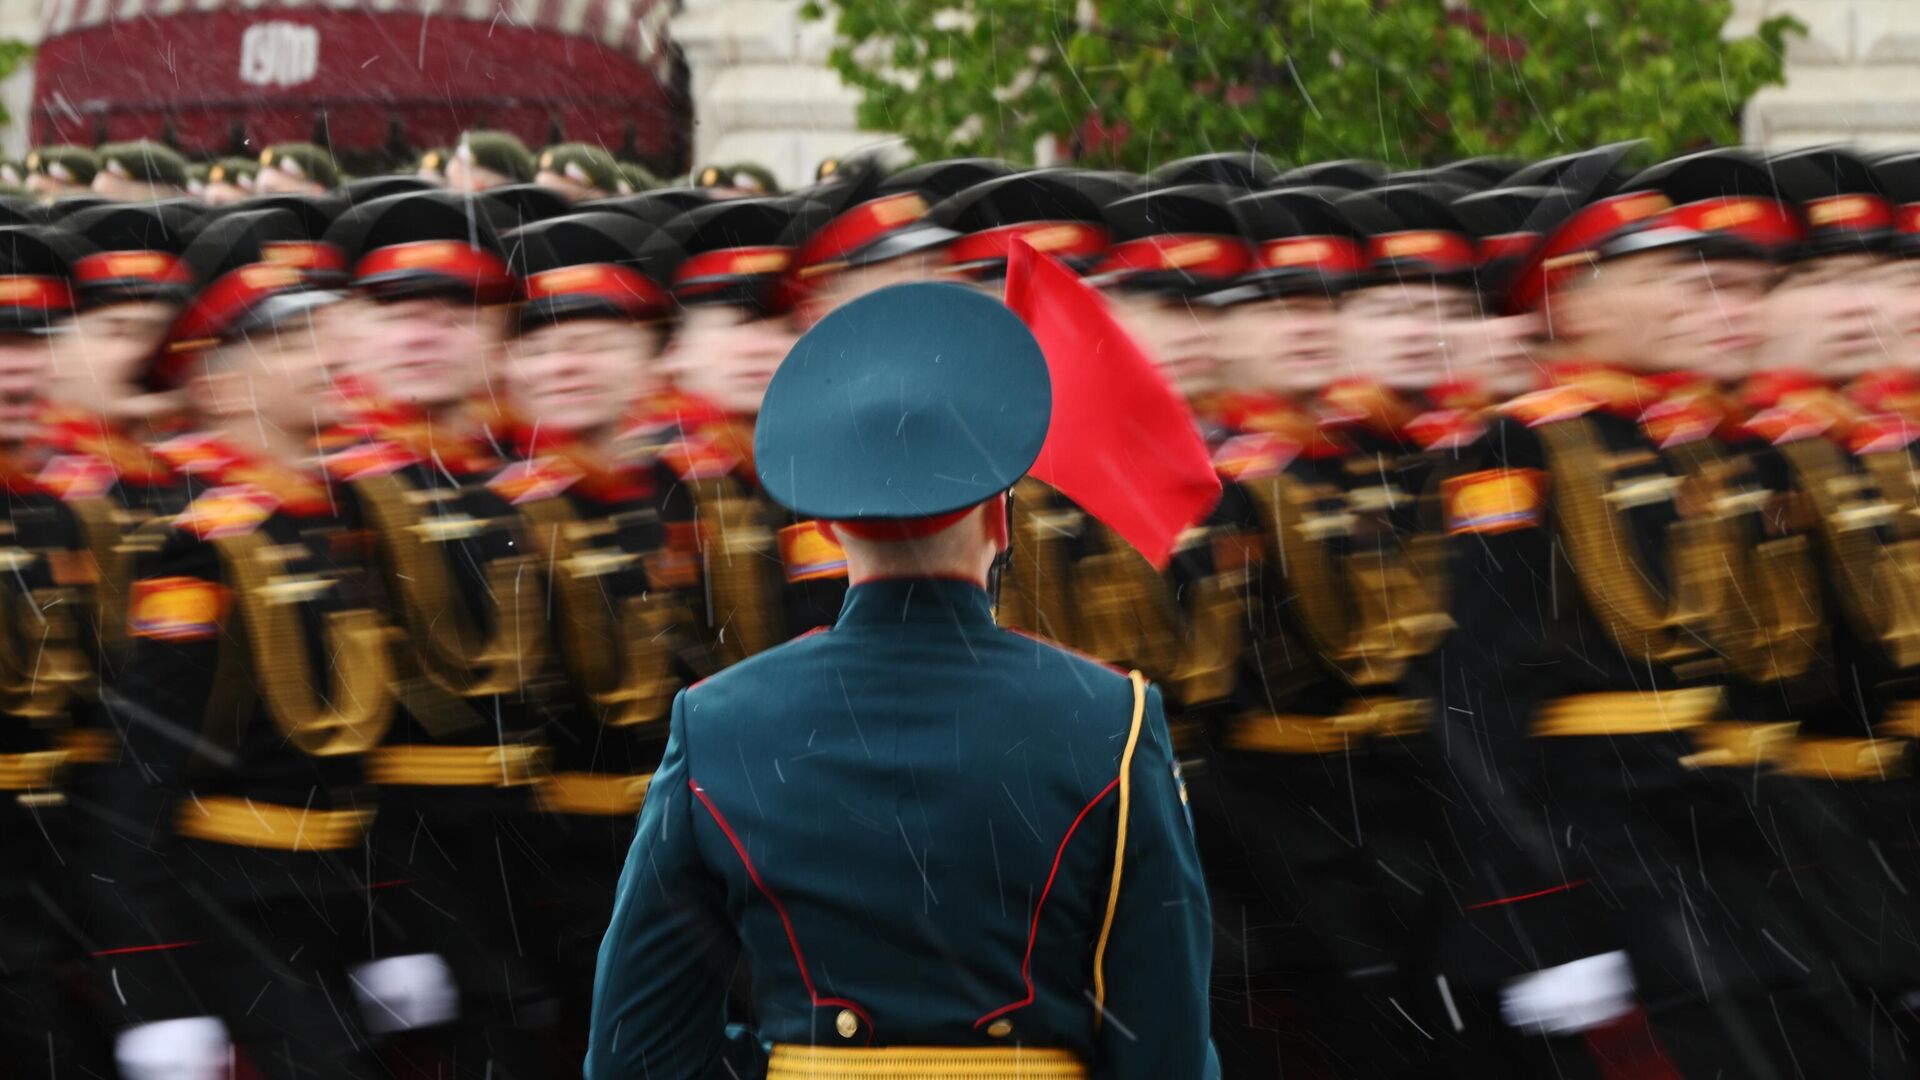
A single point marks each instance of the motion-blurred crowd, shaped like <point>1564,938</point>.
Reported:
<point>1547,679</point>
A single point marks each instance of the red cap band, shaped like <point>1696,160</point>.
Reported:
<point>1062,239</point>
<point>1854,212</point>
<point>1765,223</point>
<point>713,270</point>
<point>35,291</point>
<point>1327,254</point>
<point>1907,219</point>
<point>155,267</point>
<point>482,270</point>
<point>306,255</point>
<point>1444,252</point>
<point>628,290</point>
<point>1505,246</point>
<point>1572,244</point>
<point>205,321</point>
<point>1199,254</point>
<point>902,528</point>
<point>857,228</point>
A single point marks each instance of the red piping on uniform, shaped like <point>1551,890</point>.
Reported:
<point>1026,965</point>
<point>144,948</point>
<point>799,958</point>
<point>1527,896</point>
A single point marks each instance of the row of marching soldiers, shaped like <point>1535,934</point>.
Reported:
<point>1544,676</point>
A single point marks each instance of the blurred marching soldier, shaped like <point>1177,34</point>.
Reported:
<point>616,536</point>
<point>55,172</point>
<point>485,160</point>
<point>893,418</point>
<point>768,576</point>
<point>458,767</point>
<point>866,230</point>
<point>41,668</point>
<point>1244,171</point>
<point>431,168</point>
<point>578,171</point>
<point>1323,768</point>
<point>1899,178</point>
<point>296,169</point>
<point>1495,351</point>
<point>229,181</point>
<point>1609,543</point>
<point>745,181</point>
<point>1347,175</point>
<point>258,677</point>
<point>656,207</point>
<point>140,171</point>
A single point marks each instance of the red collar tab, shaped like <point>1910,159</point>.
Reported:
<point>1200,254</point>
<point>218,464</point>
<point>558,454</point>
<point>36,292</point>
<point>1439,251</point>
<point>84,434</point>
<point>1571,247</point>
<point>1886,391</point>
<point>1765,389</point>
<point>629,291</point>
<point>477,268</point>
<point>153,267</point>
<point>827,249</point>
<point>1257,455</point>
<point>1881,433</point>
<point>1679,421</point>
<point>1061,239</point>
<point>1359,401</point>
<point>1784,424</point>
<point>1551,405</point>
<point>712,271</point>
<point>1326,254</point>
<point>1767,224</point>
<point>1853,213</point>
<point>1618,391</point>
<point>1907,218</point>
<point>1444,429</point>
<point>1505,246</point>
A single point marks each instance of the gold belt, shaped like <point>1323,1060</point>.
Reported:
<point>30,772</point>
<point>510,765</point>
<point>1732,745</point>
<point>795,1062</point>
<point>89,746</point>
<point>592,793</point>
<point>1300,733</point>
<point>1628,713</point>
<point>1845,759</point>
<point>1903,720</point>
<point>224,819</point>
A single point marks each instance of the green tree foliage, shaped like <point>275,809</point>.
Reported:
<point>1131,83</point>
<point>13,53</point>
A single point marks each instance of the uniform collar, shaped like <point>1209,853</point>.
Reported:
<point>892,601</point>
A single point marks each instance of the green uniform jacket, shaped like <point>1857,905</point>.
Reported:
<point>907,825</point>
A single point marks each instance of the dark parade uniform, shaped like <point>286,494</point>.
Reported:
<point>932,841</point>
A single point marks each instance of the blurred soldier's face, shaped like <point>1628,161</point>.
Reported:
<point>1178,336</point>
<point>47,188</point>
<point>272,377</point>
<point>464,175</point>
<point>1735,321</point>
<point>98,361</point>
<point>1495,353</point>
<point>580,375</point>
<point>224,194</point>
<point>1832,315</point>
<point>728,355</point>
<point>1901,279</point>
<point>280,182</point>
<point>844,286</point>
<point>1654,311</point>
<point>431,353</point>
<point>23,375</point>
<point>571,190</point>
<point>113,187</point>
<point>1400,335</point>
<point>1285,345</point>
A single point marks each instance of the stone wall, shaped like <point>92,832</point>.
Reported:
<point>1854,77</point>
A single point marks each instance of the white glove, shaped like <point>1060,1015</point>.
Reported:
<point>1571,997</point>
<point>402,993</point>
<point>191,1048</point>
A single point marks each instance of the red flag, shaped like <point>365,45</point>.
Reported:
<point>1123,444</point>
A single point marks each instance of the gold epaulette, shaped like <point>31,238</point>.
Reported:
<point>1647,712</point>
<point>1550,405</point>
<point>592,794</point>
<point>1847,759</point>
<point>224,819</point>
<point>796,1062</point>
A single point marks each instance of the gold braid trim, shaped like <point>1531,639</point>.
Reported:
<point>1124,613</point>
<point>625,670</point>
<point>1878,589</point>
<point>360,691</point>
<point>41,663</point>
<point>1034,592</point>
<point>1772,617</point>
<point>1893,474</point>
<point>1599,543</point>
<point>445,642</point>
<point>1368,613</point>
<point>739,559</point>
<point>105,538</point>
